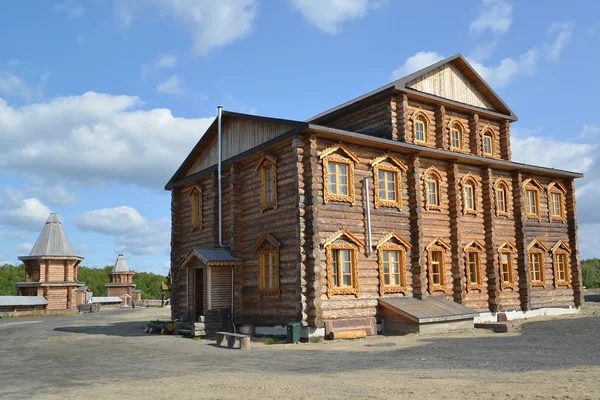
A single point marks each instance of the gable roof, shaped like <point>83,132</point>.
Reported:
<point>500,109</point>
<point>120,265</point>
<point>52,241</point>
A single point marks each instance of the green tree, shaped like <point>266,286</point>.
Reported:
<point>590,269</point>
<point>9,275</point>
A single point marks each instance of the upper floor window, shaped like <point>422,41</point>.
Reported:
<point>391,251</point>
<point>338,173</point>
<point>561,252</point>
<point>387,173</point>
<point>268,265</point>
<point>195,195</point>
<point>532,198</point>
<point>420,122</point>
<point>469,187</point>
<point>456,136</point>
<point>342,264</point>
<point>507,273</point>
<point>501,189</point>
<point>556,201</point>
<point>501,199</point>
<point>431,181</point>
<point>488,149</point>
<point>469,197</point>
<point>473,253</point>
<point>420,129</point>
<point>267,167</point>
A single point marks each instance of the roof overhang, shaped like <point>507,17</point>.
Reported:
<point>25,258</point>
<point>211,257</point>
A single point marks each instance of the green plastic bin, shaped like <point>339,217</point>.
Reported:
<point>293,332</point>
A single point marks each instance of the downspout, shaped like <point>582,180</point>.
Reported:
<point>368,207</point>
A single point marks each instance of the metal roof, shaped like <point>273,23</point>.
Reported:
<point>120,265</point>
<point>52,241</point>
<point>22,301</point>
<point>214,255</point>
<point>112,299</point>
<point>430,309</point>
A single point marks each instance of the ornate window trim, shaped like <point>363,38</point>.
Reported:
<point>511,250</point>
<point>195,195</point>
<point>437,245</point>
<point>474,247</point>
<point>392,241</point>
<point>330,155</point>
<point>432,173</point>
<point>534,185</point>
<point>455,122</point>
<point>469,179</point>
<point>502,184</point>
<point>267,245</point>
<point>426,121</point>
<point>354,245</point>
<point>555,187</point>
<point>536,247</point>
<point>488,131</point>
<point>393,165</point>
<point>266,162</point>
<point>561,249</point>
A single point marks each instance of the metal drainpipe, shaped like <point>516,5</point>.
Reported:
<point>368,206</point>
<point>219,160</point>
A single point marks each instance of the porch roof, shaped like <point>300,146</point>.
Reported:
<point>212,256</point>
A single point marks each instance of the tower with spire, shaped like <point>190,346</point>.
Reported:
<point>121,282</point>
<point>51,268</point>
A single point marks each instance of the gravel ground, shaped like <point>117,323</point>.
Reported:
<point>106,355</point>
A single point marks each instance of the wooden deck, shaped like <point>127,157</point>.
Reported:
<point>429,310</point>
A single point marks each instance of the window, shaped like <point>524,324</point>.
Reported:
<point>268,266</point>
<point>195,195</point>
<point>469,197</point>
<point>556,201</point>
<point>487,144</point>
<point>436,264</point>
<point>338,174</point>
<point>391,251</point>
<point>342,264</point>
<point>473,267</point>
<point>531,202</point>
<point>433,191</point>
<point>420,124</point>
<point>456,137</point>
<point>561,267</point>
<point>436,271</point>
<point>506,271</point>
<point>501,199</point>
<point>386,174</point>
<point>536,268</point>
<point>555,204</point>
<point>268,182</point>
<point>391,268</point>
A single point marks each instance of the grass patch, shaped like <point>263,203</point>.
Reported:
<point>317,340</point>
<point>7,316</point>
<point>269,340</point>
<point>196,337</point>
<point>36,314</point>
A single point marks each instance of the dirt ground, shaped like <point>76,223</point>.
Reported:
<point>106,356</point>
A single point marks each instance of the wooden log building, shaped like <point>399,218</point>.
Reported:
<point>406,191</point>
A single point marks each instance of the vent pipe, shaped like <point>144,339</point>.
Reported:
<point>219,160</point>
<point>368,208</point>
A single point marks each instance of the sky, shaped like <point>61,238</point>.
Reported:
<point>100,101</point>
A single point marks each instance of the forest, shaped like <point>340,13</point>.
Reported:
<point>94,278</point>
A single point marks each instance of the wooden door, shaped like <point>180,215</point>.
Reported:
<point>199,292</point>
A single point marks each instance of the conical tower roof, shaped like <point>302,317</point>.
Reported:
<point>52,241</point>
<point>120,265</point>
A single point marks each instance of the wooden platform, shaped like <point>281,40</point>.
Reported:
<point>404,315</point>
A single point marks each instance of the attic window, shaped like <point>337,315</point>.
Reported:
<point>267,167</point>
<point>456,137</point>
<point>420,129</point>
<point>488,148</point>
<point>195,195</point>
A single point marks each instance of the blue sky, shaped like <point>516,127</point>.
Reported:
<point>100,101</point>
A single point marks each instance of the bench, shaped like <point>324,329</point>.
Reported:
<point>233,340</point>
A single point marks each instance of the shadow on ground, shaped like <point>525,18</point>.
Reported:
<point>122,329</point>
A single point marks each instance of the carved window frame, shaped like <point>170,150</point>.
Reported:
<point>556,187</point>
<point>266,162</point>
<point>469,180</point>
<point>511,250</point>
<point>352,244</point>
<point>422,117</point>
<point>395,166</point>
<point>536,247</point>
<point>561,249</point>
<point>267,245</point>
<point>393,242</point>
<point>488,132</point>
<point>502,184</point>
<point>455,123</point>
<point>330,155</point>
<point>532,185</point>
<point>474,247</point>
<point>197,218</point>
<point>437,246</point>
<point>432,174</point>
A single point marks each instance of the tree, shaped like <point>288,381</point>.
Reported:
<point>590,269</point>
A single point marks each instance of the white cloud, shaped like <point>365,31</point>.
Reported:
<point>508,68</point>
<point>171,86</point>
<point>133,233</point>
<point>53,195</point>
<point>414,63</point>
<point>211,24</point>
<point>494,15</point>
<point>71,10</point>
<point>14,235</point>
<point>22,249</point>
<point>84,138</point>
<point>12,86</point>
<point>564,33</point>
<point>30,214</point>
<point>167,264</point>
<point>329,15</point>
<point>161,62</point>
